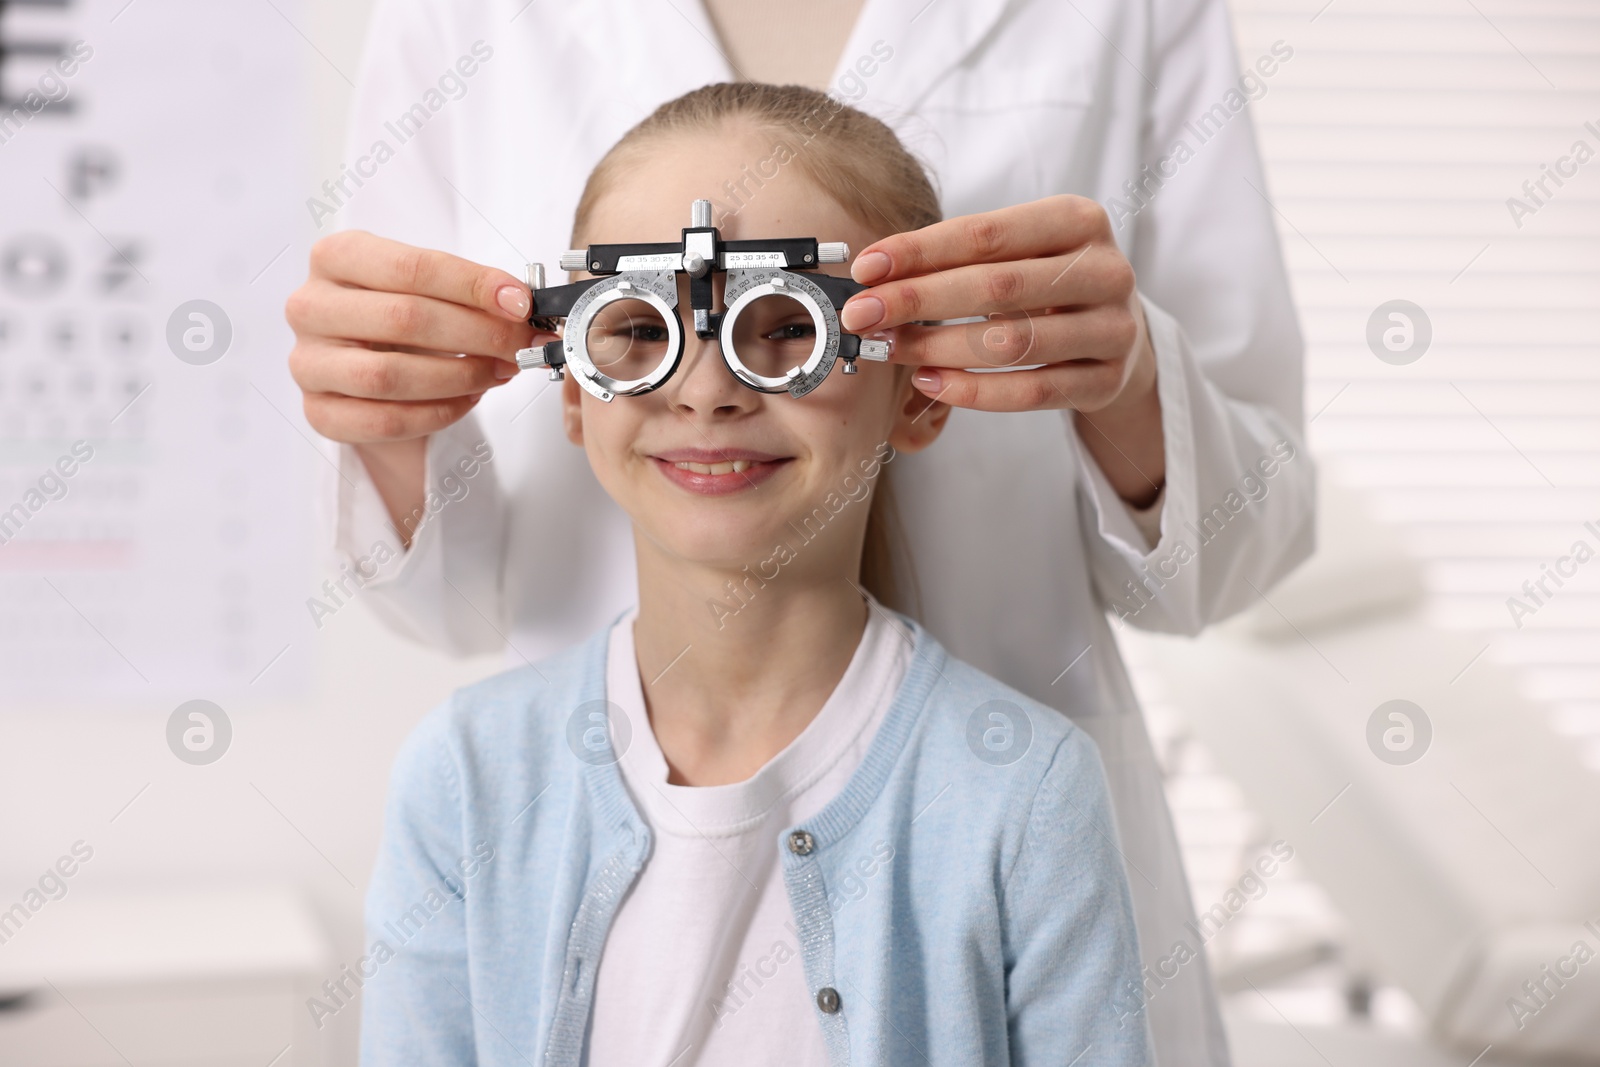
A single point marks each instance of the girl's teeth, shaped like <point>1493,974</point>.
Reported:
<point>732,467</point>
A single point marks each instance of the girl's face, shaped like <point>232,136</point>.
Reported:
<point>710,470</point>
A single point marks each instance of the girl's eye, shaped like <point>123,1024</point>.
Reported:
<point>793,331</point>
<point>648,334</point>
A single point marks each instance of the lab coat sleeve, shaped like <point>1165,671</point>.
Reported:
<point>445,590</point>
<point>415,1008</point>
<point>1239,496</point>
<point>1071,946</point>
<point>452,599</point>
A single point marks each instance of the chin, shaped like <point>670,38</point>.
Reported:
<point>725,548</point>
<point>713,535</point>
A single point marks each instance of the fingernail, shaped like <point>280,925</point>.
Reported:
<point>927,380</point>
<point>870,267</point>
<point>862,314</point>
<point>504,371</point>
<point>513,300</point>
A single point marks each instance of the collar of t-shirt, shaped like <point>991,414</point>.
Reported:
<point>830,747</point>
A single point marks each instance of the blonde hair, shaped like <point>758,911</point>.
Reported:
<point>861,165</point>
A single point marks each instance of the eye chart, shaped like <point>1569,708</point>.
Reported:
<point>156,484</point>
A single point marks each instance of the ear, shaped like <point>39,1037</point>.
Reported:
<point>572,410</point>
<point>919,419</point>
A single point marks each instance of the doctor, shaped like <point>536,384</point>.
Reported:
<point>1119,479</point>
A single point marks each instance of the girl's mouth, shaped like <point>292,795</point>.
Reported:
<point>720,478</point>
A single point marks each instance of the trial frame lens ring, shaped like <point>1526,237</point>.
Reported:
<point>800,379</point>
<point>631,285</point>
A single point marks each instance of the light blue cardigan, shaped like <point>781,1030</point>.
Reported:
<point>998,929</point>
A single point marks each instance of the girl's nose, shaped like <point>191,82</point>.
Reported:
<point>703,383</point>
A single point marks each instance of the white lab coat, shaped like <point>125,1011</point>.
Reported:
<point>1020,543</point>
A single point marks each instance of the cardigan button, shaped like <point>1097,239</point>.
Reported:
<point>801,843</point>
<point>828,1000</point>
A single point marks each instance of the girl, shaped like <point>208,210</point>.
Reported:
<point>763,816</point>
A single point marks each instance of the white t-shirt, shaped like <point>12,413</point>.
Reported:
<point>702,965</point>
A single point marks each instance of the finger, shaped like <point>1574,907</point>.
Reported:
<point>358,258</point>
<point>356,371</point>
<point>1023,231</point>
<point>1093,274</point>
<point>362,315</point>
<point>1086,386</point>
<point>1102,334</point>
<point>358,421</point>
<point>416,350</point>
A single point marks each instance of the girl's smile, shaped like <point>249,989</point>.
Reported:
<point>718,471</point>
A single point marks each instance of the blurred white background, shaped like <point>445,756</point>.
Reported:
<point>1421,894</point>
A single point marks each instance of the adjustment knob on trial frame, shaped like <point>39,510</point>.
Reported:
<point>548,355</point>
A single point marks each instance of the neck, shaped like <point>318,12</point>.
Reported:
<point>727,691</point>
